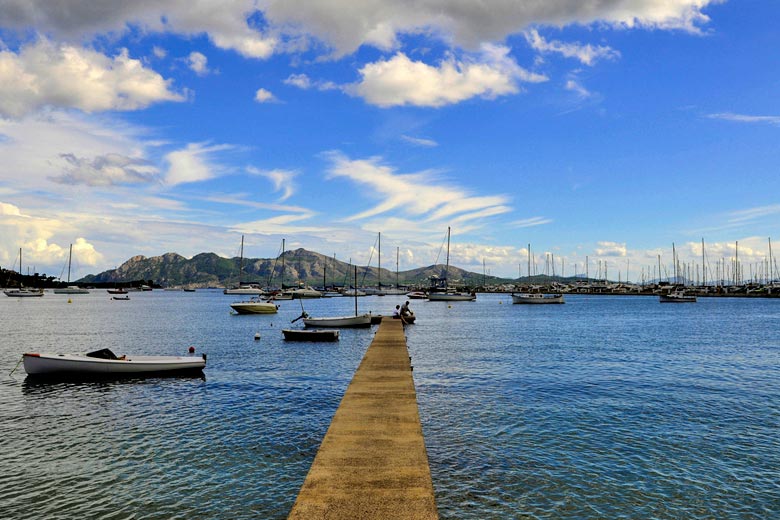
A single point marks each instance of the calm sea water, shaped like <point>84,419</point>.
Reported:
<point>605,407</point>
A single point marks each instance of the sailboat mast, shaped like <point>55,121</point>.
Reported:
<point>356,297</point>
<point>283,264</point>
<point>70,256</point>
<point>447,267</point>
<point>379,262</point>
<point>674,263</point>
<point>241,261</point>
<point>703,265</point>
<point>529,263</point>
<point>397,258</point>
<point>771,270</point>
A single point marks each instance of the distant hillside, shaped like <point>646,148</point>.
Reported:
<point>308,267</point>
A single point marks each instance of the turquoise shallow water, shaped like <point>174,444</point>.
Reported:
<point>605,407</point>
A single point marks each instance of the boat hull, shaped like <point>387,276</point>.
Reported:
<point>23,293</point>
<point>451,297</point>
<point>534,299</point>
<point>676,298</point>
<point>310,335</point>
<point>254,307</point>
<point>71,290</point>
<point>244,290</point>
<point>65,365</point>
<point>339,321</point>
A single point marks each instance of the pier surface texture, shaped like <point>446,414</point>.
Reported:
<point>372,462</point>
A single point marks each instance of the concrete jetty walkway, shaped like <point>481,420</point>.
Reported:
<point>372,462</point>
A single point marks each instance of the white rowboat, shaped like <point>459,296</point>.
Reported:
<point>536,298</point>
<point>82,365</point>
<point>363,320</point>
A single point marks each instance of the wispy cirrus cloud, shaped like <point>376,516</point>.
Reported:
<point>530,222</point>
<point>195,163</point>
<point>283,180</point>
<point>421,194</point>
<point>587,54</point>
<point>420,141</point>
<point>743,118</point>
<point>750,214</point>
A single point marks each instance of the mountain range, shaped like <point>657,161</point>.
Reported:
<point>300,267</point>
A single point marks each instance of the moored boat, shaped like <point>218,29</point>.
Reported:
<point>310,335</point>
<point>677,297</point>
<point>116,291</point>
<point>255,306</point>
<point>537,298</point>
<point>451,297</point>
<point>71,289</point>
<point>362,320</point>
<point>23,293</point>
<point>105,363</point>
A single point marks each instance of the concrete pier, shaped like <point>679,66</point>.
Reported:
<point>372,462</point>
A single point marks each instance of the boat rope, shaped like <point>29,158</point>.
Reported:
<point>17,366</point>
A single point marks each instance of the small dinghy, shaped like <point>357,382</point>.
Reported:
<point>310,335</point>
<point>104,363</point>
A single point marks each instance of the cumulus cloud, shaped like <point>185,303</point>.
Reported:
<point>303,82</point>
<point>283,180</point>
<point>611,249</point>
<point>420,195</point>
<point>586,54</point>
<point>60,75</point>
<point>198,63</point>
<point>227,24</point>
<point>193,164</point>
<point>400,81</point>
<point>342,24</point>
<point>574,86</point>
<point>264,96</point>
<point>106,170</point>
<point>348,25</point>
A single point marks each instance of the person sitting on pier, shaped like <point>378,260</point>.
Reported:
<point>397,311</point>
<point>405,310</point>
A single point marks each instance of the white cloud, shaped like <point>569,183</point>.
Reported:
<point>264,96</point>
<point>410,195</point>
<point>400,81</point>
<point>742,118</point>
<point>303,82</point>
<point>283,180</point>
<point>587,54</point>
<point>198,63</point>
<point>611,249</point>
<point>159,52</point>
<point>752,214</point>
<point>59,75</point>
<point>530,222</point>
<point>574,86</point>
<point>419,141</point>
<point>193,164</point>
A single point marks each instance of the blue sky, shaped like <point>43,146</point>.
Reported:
<point>605,130</point>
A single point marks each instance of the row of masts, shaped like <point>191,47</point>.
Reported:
<point>725,271</point>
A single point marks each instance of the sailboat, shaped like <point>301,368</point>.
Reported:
<point>71,289</point>
<point>243,288</point>
<point>536,297</point>
<point>449,294</point>
<point>21,292</point>
<point>358,320</point>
